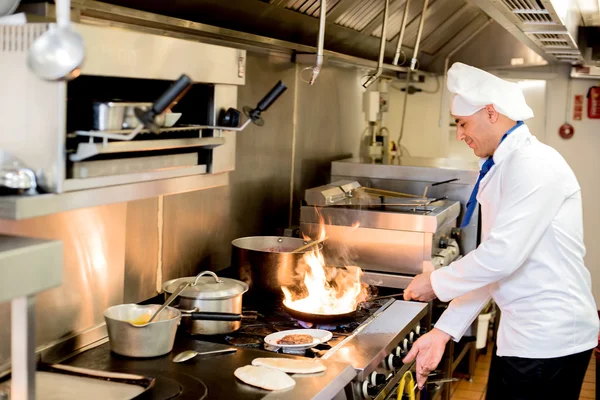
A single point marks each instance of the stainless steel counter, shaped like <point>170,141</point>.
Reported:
<point>368,347</point>
<point>409,168</point>
<point>216,372</point>
<point>413,175</point>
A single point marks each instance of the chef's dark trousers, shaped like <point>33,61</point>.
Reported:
<point>514,378</point>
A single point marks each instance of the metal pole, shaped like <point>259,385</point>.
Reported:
<point>377,74</point>
<point>413,61</point>
<point>401,35</point>
<point>23,348</point>
<point>320,43</point>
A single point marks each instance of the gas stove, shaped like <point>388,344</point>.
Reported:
<point>373,342</point>
<point>363,358</point>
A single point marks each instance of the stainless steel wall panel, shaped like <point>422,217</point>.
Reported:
<point>330,123</point>
<point>199,226</point>
<point>141,252</point>
<point>94,252</point>
<point>375,249</point>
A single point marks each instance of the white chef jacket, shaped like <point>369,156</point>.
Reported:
<point>530,259</point>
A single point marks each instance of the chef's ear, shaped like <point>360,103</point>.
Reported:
<point>491,113</point>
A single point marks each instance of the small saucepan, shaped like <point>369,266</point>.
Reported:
<point>209,294</point>
<point>131,335</point>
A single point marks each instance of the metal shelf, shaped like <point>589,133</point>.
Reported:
<point>29,206</point>
<point>87,150</point>
<point>128,131</point>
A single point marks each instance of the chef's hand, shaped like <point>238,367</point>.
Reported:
<point>420,288</point>
<point>428,350</point>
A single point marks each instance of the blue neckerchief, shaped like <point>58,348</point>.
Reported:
<point>485,168</point>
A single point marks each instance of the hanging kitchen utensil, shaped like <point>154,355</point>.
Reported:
<point>59,52</point>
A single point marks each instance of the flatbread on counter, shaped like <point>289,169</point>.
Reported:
<point>266,378</point>
<point>291,365</point>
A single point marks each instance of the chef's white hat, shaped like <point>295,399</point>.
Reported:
<point>474,89</point>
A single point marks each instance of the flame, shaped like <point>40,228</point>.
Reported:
<point>327,290</point>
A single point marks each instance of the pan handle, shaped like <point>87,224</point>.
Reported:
<point>213,316</point>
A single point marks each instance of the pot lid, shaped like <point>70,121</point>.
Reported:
<point>207,285</point>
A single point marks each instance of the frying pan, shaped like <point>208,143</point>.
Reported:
<point>319,318</point>
<point>329,318</point>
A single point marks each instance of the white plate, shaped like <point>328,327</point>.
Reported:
<point>319,336</point>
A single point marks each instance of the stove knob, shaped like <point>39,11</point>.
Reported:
<point>376,378</point>
<point>418,331</point>
<point>389,361</point>
<point>398,351</point>
<point>394,362</point>
<point>411,337</point>
<point>368,390</point>
<point>406,345</point>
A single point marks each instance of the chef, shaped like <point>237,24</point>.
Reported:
<point>530,260</point>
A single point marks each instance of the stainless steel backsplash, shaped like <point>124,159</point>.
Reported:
<point>123,252</point>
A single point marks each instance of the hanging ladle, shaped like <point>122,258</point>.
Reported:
<point>59,52</point>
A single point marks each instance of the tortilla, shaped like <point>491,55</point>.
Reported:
<point>266,378</point>
<point>291,365</point>
<point>296,339</point>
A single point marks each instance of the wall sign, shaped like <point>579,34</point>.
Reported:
<point>578,107</point>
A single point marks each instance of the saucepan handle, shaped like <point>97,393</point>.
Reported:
<point>213,316</point>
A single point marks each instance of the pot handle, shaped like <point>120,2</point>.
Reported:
<point>214,316</point>
<point>201,274</point>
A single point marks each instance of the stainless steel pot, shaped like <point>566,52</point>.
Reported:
<point>209,294</point>
<point>130,336</point>
<point>266,263</point>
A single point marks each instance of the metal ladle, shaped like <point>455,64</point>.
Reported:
<point>59,52</point>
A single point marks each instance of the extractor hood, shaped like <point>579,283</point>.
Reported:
<point>549,27</point>
<point>352,31</point>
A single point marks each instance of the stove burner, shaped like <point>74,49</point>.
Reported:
<point>244,341</point>
<point>168,388</point>
<point>257,330</point>
<point>171,385</point>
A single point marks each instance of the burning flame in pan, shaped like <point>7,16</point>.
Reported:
<point>327,290</point>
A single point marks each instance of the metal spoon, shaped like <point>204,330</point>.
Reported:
<point>189,354</point>
<point>172,297</point>
<point>59,52</point>
<point>309,244</point>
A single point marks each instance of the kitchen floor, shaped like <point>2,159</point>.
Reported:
<point>465,390</point>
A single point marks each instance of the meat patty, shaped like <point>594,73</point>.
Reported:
<point>296,339</point>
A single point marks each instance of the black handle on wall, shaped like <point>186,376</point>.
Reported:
<point>265,103</point>
<point>270,97</point>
